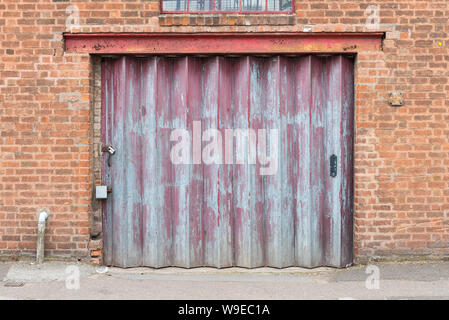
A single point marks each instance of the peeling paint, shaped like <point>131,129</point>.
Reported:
<point>161,214</point>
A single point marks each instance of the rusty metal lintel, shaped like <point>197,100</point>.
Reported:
<point>222,43</point>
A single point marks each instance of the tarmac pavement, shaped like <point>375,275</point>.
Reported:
<point>65,280</point>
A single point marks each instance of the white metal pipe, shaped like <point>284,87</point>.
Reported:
<point>41,223</point>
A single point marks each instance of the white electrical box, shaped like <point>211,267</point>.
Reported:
<point>101,192</point>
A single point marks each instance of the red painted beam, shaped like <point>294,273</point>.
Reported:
<point>222,43</point>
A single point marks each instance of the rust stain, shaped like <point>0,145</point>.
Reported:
<point>227,214</point>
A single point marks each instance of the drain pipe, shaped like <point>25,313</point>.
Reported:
<point>41,222</point>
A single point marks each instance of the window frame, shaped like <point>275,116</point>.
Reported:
<point>292,10</point>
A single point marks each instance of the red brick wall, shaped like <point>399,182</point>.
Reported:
<point>48,117</point>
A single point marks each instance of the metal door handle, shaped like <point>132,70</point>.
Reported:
<point>333,166</point>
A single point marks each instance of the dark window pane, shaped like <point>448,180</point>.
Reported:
<point>201,5</point>
<point>175,5</point>
<point>227,5</point>
<point>253,5</point>
<point>280,5</point>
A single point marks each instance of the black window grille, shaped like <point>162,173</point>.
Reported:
<point>198,6</point>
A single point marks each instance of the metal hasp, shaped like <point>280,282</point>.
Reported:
<point>108,148</point>
<point>333,166</point>
<point>228,214</point>
<point>110,151</point>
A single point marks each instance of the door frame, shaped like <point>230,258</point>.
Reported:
<point>238,43</point>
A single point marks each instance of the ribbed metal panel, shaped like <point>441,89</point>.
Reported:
<point>163,214</point>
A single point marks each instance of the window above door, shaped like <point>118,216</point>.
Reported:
<point>227,6</point>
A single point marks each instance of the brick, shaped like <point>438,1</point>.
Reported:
<point>50,98</point>
<point>95,253</point>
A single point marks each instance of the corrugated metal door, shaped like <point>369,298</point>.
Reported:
<point>200,214</point>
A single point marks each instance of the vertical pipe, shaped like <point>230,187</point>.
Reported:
<point>41,222</point>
